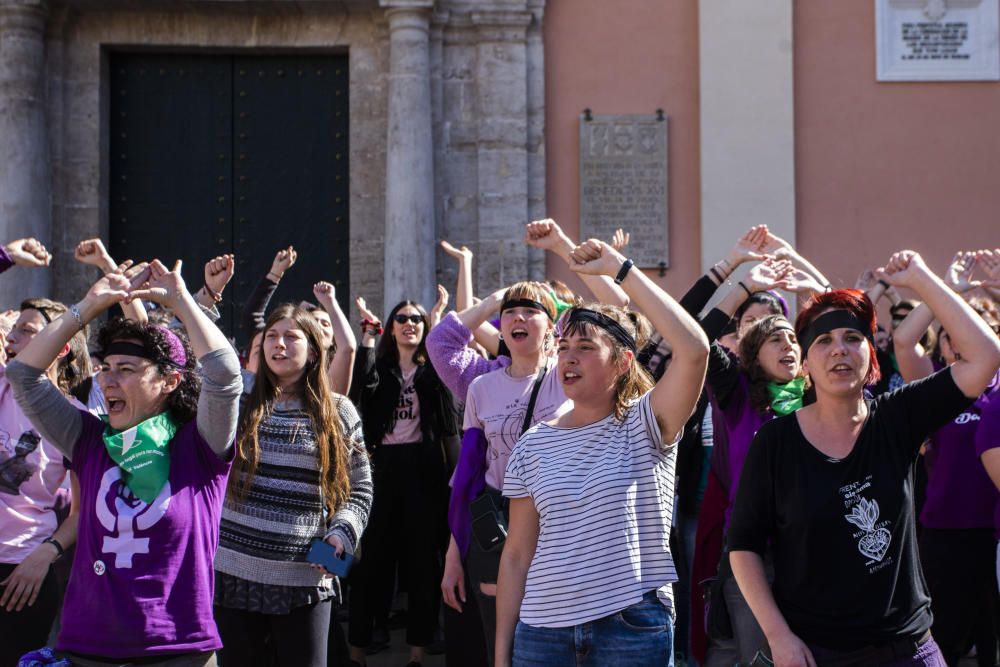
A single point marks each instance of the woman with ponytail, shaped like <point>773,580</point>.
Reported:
<point>300,474</point>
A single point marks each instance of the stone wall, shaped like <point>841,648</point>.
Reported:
<point>446,127</point>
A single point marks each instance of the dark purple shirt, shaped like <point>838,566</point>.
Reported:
<point>960,494</point>
<point>742,423</point>
<point>988,437</point>
<point>142,582</point>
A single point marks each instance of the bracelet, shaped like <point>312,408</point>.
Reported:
<point>59,548</point>
<point>623,272</point>
<point>726,262</point>
<point>884,284</point>
<point>749,293</point>
<point>74,310</point>
<point>216,296</point>
<point>718,278</point>
<point>275,278</point>
<point>376,327</point>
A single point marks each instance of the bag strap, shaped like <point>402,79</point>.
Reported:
<point>534,397</point>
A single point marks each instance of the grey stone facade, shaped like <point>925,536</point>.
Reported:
<point>446,128</point>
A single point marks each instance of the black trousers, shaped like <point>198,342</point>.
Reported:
<point>28,629</point>
<point>465,644</point>
<point>296,639</point>
<point>960,569</point>
<point>405,529</point>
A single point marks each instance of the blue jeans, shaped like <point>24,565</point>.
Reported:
<point>638,636</point>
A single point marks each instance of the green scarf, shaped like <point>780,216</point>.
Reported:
<point>786,398</point>
<point>142,453</point>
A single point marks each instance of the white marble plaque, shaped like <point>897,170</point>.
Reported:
<point>937,40</point>
<point>623,183</point>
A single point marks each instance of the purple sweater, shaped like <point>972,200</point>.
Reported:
<point>457,365</point>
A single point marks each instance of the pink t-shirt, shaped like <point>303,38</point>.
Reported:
<point>496,404</point>
<point>407,415</point>
<point>31,471</point>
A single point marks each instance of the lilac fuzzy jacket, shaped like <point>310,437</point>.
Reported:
<point>457,365</point>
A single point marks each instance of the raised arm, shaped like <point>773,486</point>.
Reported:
<point>448,347</point>
<point>49,411</point>
<point>341,368</point>
<point>218,272</point>
<point>676,393</point>
<point>763,277</point>
<point>914,361</point>
<point>255,308</point>
<point>437,312</point>
<point>978,344</point>
<point>548,235</point>
<point>463,290</point>
<point>218,402</point>
<point>782,249</point>
<point>93,252</point>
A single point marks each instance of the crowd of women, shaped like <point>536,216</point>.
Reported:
<point>625,479</point>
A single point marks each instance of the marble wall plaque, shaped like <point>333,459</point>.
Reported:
<point>623,183</point>
<point>937,40</point>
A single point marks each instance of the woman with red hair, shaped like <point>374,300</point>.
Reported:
<point>829,488</point>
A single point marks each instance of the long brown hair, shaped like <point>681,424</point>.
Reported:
<point>635,381</point>
<point>317,399</point>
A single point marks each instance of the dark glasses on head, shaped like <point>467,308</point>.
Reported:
<point>412,319</point>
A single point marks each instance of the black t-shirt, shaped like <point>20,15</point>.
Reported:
<point>842,532</point>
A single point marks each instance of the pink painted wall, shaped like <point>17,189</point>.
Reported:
<point>627,56</point>
<point>886,166</point>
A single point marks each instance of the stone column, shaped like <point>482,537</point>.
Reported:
<point>25,188</point>
<point>409,198</point>
<point>502,96</point>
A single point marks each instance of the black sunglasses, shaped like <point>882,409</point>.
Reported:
<point>413,319</point>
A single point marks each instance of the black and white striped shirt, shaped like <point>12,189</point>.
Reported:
<point>604,495</point>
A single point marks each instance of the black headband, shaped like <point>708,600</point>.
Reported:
<point>127,348</point>
<point>525,303</point>
<point>827,322</point>
<point>134,350</point>
<point>617,331</point>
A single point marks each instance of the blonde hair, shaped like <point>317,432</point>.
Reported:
<point>535,292</point>
<point>635,381</point>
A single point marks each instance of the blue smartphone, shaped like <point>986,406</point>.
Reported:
<point>323,553</point>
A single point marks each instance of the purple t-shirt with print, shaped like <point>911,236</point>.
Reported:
<point>142,582</point>
<point>960,494</point>
<point>988,437</point>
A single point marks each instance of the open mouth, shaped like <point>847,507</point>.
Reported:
<point>519,334</point>
<point>570,377</point>
<point>789,360</point>
<point>841,369</point>
<point>115,406</point>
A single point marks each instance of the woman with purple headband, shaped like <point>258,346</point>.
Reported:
<point>152,473</point>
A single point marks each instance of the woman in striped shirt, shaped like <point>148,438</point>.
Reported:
<point>587,565</point>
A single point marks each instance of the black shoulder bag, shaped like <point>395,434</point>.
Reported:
<point>489,510</point>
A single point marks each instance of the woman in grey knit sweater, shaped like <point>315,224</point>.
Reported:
<point>300,473</point>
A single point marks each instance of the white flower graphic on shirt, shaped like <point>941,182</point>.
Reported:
<point>875,542</point>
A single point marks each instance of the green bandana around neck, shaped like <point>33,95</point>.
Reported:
<point>786,398</point>
<point>142,452</point>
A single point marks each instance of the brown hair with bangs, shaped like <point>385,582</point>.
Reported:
<point>635,381</point>
<point>332,444</point>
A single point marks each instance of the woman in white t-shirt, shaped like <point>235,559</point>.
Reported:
<point>587,565</point>
<point>498,407</point>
